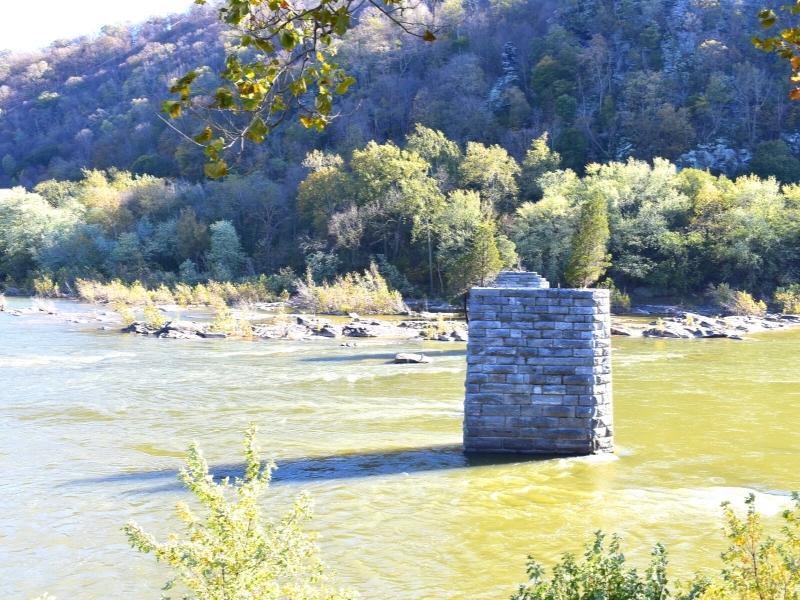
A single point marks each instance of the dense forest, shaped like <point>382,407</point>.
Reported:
<point>492,137</point>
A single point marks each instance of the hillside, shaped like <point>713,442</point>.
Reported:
<point>608,79</point>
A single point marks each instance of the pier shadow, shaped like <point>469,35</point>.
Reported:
<point>324,468</point>
<point>380,356</point>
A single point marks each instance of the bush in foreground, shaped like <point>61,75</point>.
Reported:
<point>234,551</point>
<point>755,567</point>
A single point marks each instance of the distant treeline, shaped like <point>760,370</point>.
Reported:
<point>430,215</point>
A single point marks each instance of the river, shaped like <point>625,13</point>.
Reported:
<point>93,426</point>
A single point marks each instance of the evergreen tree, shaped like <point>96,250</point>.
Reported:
<point>589,258</point>
<point>481,260</point>
<point>225,258</point>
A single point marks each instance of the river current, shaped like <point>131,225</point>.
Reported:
<point>94,424</point>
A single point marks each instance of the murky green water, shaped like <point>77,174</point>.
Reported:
<point>93,425</point>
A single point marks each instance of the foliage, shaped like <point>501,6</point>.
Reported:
<point>225,322</point>
<point>234,550</point>
<point>493,173</point>
<point>754,567</point>
<point>589,258</point>
<point>671,232</point>
<point>153,317</point>
<point>257,289</point>
<point>737,302</point>
<point>620,301</point>
<point>539,159</point>
<point>601,574</point>
<point>757,566</point>
<point>225,258</point>
<point>45,287</point>
<point>481,260</point>
<point>786,43</point>
<point>788,298</point>
<point>124,311</point>
<point>280,61</point>
<point>364,293</point>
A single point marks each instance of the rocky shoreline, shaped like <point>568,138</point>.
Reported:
<point>673,323</point>
<point>693,325</point>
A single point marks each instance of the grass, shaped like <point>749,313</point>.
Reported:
<point>258,289</point>
<point>365,293</point>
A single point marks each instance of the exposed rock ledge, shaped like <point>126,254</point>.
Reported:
<point>688,325</point>
<point>304,327</point>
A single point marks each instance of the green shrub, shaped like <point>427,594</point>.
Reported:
<point>124,311</point>
<point>788,298</point>
<point>366,293</point>
<point>233,551</point>
<point>45,287</point>
<point>153,318</point>
<point>224,322</point>
<point>755,567</point>
<point>602,574</point>
<point>737,302</point>
<point>620,301</point>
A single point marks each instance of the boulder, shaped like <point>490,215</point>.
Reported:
<point>138,328</point>
<point>405,358</point>
<point>213,335</point>
<point>362,331</point>
<point>460,336</point>
<point>328,331</point>
<point>670,330</point>
<point>189,327</point>
<point>619,330</point>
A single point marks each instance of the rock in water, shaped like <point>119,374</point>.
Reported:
<point>617,330</point>
<point>406,358</point>
<point>358,331</point>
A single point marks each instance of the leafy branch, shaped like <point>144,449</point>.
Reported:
<point>281,64</point>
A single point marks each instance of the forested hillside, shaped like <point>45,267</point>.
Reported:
<point>481,139</point>
<point>607,78</point>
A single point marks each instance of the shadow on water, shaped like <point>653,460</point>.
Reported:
<point>381,356</point>
<point>324,468</point>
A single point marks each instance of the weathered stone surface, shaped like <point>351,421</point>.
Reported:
<point>405,358</point>
<point>538,368</point>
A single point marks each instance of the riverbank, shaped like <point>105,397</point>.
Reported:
<point>272,321</point>
<point>267,322</point>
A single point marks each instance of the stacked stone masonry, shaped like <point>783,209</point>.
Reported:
<point>538,369</point>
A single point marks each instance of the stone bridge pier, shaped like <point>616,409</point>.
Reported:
<point>538,368</point>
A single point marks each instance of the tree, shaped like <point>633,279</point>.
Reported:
<point>493,172</point>
<point>589,259</point>
<point>233,551</point>
<point>542,232</point>
<point>774,159</point>
<point>225,258</point>
<point>279,65</point>
<point>443,155</point>
<point>127,259</point>
<point>191,236</point>
<point>481,260</point>
<point>539,159</point>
